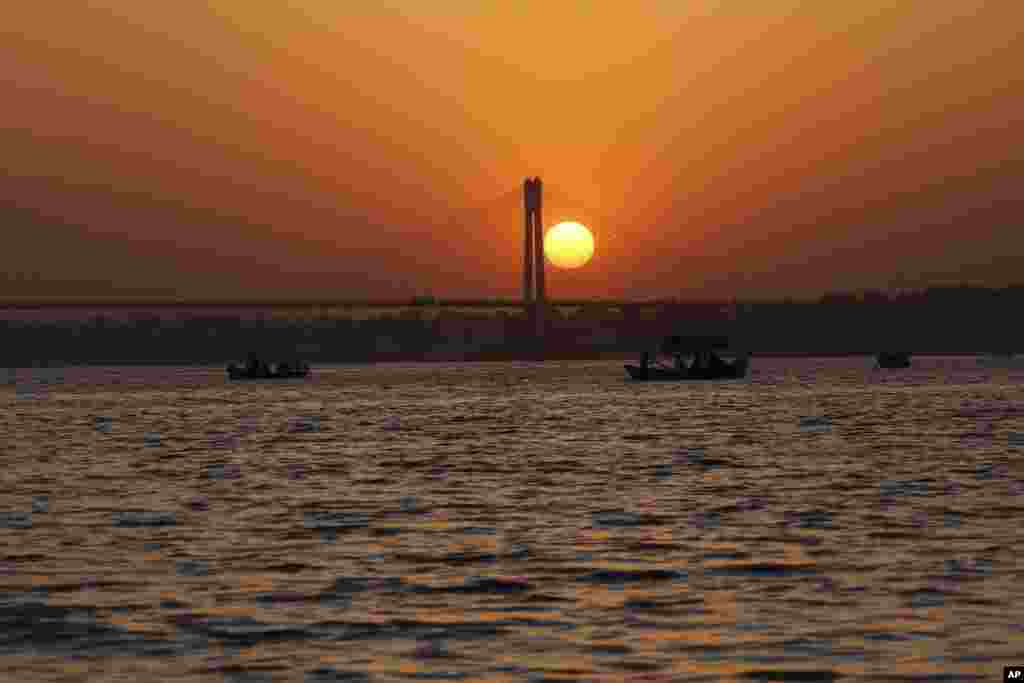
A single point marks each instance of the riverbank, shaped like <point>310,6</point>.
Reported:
<point>469,357</point>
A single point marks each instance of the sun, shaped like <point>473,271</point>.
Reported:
<point>569,245</point>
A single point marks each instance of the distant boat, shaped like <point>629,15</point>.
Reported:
<point>259,369</point>
<point>893,359</point>
<point>815,423</point>
<point>694,359</point>
<point>1006,359</point>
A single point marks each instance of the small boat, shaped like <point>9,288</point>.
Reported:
<point>893,359</point>
<point>694,358</point>
<point>259,369</point>
<point>815,423</point>
<point>1002,359</point>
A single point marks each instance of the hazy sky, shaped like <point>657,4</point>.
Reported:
<point>303,148</point>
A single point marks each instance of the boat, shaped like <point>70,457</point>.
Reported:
<point>256,368</point>
<point>893,359</point>
<point>1002,359</point>
<point>694,359</point>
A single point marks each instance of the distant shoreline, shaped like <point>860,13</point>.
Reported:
<point>494,357</point>
<point>16,304</point>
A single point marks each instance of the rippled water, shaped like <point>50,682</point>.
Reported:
<point>513,522</point>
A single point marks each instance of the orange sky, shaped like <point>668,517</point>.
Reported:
<point>234,149</point>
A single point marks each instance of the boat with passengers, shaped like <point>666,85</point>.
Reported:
<point>257,368</point>
<point>689,358</point>
<point>893,359</point>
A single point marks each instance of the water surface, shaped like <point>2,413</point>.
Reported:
<point>512,522</point>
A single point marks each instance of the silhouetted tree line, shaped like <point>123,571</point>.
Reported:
<point>940,319</point>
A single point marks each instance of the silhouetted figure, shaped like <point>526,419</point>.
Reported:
<point>257,368</point>
<point>717,364</point>
<point>893,359</point>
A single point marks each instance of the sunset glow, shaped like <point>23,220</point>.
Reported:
<point>376,150</point>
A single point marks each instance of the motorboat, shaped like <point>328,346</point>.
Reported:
<point>1002,359</point>
<point>693,358</point>
<point>256,368</point>
<point>893,359</point>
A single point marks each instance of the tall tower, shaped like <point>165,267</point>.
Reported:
<point>529,202</point>
<point>533,250</point>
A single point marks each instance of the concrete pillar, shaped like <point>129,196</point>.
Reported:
<point>527,242</point>
<point>533,253</point>
<point>538,226</point>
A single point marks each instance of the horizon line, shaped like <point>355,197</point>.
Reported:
<point>426,301</point>
<point>410,302</point>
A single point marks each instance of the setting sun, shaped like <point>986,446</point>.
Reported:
<point>569,245</point>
